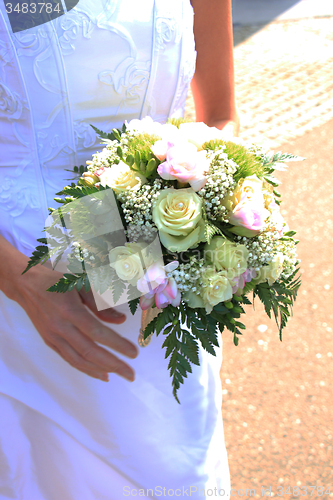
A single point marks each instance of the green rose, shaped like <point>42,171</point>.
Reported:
<point>226,255</point>
<point>177,214</point>
<point>217,287</point>
<point>273,271</point>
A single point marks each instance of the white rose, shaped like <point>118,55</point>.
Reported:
<point>144,126</point>
<point>120,177</point>
<point>177,214</point>
<point>126,261</point>
<point>198,133</point>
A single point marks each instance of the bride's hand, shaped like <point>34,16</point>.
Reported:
<point>230,128</point>
<point>63,321</point>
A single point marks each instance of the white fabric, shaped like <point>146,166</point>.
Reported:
<point>63,434</point>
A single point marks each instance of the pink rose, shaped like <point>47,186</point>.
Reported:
<point>160,149</point>
<point>186,164</point>
<point>240,281</point>
<point>249,214</point>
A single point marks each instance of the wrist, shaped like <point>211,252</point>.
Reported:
<point>229,126</point>
<point>12,264</point>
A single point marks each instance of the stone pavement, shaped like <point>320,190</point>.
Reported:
<point>277,405</point>
<point>284,79</point>
<point>277,401</point>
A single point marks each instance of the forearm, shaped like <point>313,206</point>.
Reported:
<point>12,264</point>
<point>213,84</point>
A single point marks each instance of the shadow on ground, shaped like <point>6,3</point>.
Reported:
<point>255,14</point>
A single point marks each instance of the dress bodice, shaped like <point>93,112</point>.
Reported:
<point>103,62</point>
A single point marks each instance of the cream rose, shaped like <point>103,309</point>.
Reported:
<point>177,215</point>
<point>226,255</point>
<point>217,288</point>
<point>120,177</point>
<point>126,261</point>
<point>249,188</point>
<point>273,271</point>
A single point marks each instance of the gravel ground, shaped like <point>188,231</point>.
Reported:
<point>277,405</point>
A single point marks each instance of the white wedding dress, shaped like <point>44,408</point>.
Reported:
<point>64,435</point>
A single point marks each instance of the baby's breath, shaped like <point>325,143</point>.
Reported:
<point>219,183</point>
<point>137,205</point>
<point>188,276</point>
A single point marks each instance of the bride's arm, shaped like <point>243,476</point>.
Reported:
<point>213,83</point>
<point>62,320</point>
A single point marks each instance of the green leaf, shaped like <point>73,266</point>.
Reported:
<point>118,287</point>
<point>151,167</point>
<point>39,256</point>
<point>272,180</point>
<point>161,321</point>
<point>104,135</point>
<point>290,233</point>
<point>133,305</point>
<point>130,160</point>
<point>67,283</point>
<point>264,294</point>
<point>117,134</point>
<point>86,283</point>
<point>137,158</point>
<point>79,284</point>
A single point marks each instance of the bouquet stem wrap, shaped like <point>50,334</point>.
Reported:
<point>147,316</point>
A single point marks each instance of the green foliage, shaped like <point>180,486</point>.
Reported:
<point>178,121</point>
<point>77,171</point>
<point>102,278</point>
<point>39,256</point>
<point>133,305</point>
<point>247,162</point>
<point>69,282</point>
<point>74,192</point>
<point>112,136</point>
<point>181,343</point>
<point>279,298</point>
<point>141,144</point>
<point>52,246</point>
<point>210,228</point>
<point>270,159</point>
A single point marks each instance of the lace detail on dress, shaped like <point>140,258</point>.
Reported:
<point>101,63</point>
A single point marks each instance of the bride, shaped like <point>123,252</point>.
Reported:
<point>65,432</point>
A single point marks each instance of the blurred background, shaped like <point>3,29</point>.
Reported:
<point>277,397</point>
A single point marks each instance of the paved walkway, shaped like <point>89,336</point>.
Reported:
<point>277,405</point>
<point>284,79</point>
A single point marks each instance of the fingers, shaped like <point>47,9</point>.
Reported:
<point>109,315</point>
<point>86,356</point>
<point>76,361</point>
<point>97,332</point>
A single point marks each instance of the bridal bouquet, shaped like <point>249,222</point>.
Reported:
<point>184,224</point>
